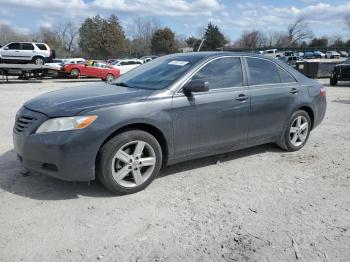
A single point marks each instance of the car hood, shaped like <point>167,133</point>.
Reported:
<point>71,101</point>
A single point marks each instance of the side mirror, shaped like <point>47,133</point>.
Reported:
<point>195,86</point>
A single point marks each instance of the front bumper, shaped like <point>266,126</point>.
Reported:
<point>68,155</point>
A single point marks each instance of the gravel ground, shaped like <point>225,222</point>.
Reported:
<point>257,204</point>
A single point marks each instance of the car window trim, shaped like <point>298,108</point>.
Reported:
<point>207,62</point>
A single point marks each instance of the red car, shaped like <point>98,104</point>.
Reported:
<point>93,69</point>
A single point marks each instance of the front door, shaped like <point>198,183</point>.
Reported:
<point>217,118</point>
<point>11,52</point>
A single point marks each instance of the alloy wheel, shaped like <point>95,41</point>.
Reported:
<point>133,164</point>
<point>299,131</point>
<point>39,61</point>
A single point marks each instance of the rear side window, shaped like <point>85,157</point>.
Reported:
<point>41,46</point>
<point>14,46</point>
<point>262,72</point>
<point>285,76</point>
<point>221,73</point>
<point>27,46</point>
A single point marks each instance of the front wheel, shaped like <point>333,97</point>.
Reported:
<point>297,132</point>
<point>129,162</point>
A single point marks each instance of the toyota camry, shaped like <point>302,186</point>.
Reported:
<point>172,109</point>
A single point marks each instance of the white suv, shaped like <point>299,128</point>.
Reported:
<point>37,53</point>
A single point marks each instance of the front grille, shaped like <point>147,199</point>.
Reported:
<point>23,122</point>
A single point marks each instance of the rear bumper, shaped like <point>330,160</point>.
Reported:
<point>320,110</point>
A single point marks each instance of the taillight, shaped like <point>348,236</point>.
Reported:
<point>322,91</point>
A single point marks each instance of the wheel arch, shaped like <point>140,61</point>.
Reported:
<point>149,128</point>
<point>76,68</point>
<point>37,56</point>
<point>310,112</point>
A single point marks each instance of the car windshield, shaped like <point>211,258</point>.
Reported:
<point>159,73</point>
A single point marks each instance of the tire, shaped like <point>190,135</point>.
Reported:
<point>333,81</point>
<point>38,60</point>
<point>133,177</point>
<point>110,78</point>
<point>75,72</point>
<point>287,140</point>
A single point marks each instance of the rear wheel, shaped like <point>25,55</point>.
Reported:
<point>129,162</point>
<point>39,60</point>
<point>75,72</point>
<point>297,132</point>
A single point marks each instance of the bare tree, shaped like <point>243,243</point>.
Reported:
<point>181,40</point>
<point>48,36</point>
<point>252,40</point>
<point>142,30</point>
<point>67,34</point>
<point>7,34</point>
<point>298,31</point>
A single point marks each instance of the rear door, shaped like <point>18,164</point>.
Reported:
<point>217,118</point>
<point>27,51</point>
<point>274,96</point>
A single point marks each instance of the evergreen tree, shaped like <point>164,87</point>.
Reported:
<point>102,38</point>
<point>214,39</point>
<point>163,41</point>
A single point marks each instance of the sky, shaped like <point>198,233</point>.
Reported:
<point>185,17</point>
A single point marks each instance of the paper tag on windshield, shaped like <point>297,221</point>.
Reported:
<point>178,63</point>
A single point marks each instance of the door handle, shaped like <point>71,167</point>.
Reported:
<point>17,51</point>
<point>294,91</point>
<point>242,97</point>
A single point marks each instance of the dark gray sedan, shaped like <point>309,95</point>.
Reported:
<point>175,108</point>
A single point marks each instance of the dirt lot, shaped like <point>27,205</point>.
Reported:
<point>249,205</point>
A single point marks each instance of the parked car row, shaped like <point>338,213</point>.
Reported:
<point>41,53</point>
<point>305,55</point>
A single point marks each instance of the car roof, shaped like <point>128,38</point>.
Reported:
<point>213,54</point>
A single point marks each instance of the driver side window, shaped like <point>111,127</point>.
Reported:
<point>221,73</point>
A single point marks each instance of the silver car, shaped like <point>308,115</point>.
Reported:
<point>19,52</point>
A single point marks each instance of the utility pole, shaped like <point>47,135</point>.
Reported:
<point>200,46</point>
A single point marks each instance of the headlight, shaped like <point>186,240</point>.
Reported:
<point>66,123</point>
